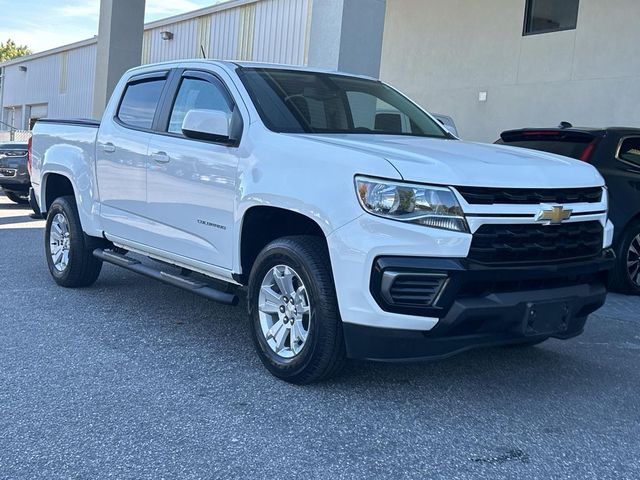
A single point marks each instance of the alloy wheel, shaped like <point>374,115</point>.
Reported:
<point>59,242</point>
<point>633,261</point>
<point>284,311</point>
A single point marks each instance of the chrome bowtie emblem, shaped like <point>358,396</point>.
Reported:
<point>554,215</point>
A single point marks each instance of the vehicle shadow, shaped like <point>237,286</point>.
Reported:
<point>225,330</point>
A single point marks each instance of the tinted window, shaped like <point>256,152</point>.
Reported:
<point>139,103</point>
<point>543,16</point>
<point>197,94</point>
<point>567,148</point>
<point>630,151</point>
<point>311,102</point>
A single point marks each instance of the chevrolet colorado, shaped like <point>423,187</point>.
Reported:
<point>352,240</point>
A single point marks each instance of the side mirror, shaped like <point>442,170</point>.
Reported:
<point>208,125</point>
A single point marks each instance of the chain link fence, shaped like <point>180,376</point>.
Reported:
<point>14,135</point>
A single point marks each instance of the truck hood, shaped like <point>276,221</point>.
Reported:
<point>456,162</point>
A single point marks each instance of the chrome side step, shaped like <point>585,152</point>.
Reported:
<point>180,281</point>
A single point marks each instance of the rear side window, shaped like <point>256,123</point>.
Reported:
<point>139,103</point>
<point>630,151</point>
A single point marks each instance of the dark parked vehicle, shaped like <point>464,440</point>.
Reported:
<point>615,152</point>
<point>14,176</point>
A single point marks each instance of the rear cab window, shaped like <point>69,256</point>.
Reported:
<point>566,143</point>
<point>140,101</point>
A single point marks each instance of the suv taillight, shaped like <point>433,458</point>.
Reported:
<point>29,155</point>
<point>586,154</point>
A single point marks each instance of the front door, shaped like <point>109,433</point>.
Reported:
<point>191,183</point>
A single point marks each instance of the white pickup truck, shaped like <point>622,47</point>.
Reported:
<point>355,235</point>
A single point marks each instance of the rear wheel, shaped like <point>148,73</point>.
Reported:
<point>16,197</point>
<point>293,310</point>
<point>69,252</point>
<point>626,276</point>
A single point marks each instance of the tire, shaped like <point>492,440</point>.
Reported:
<point>625,277</point>
<point>16,197</point>
<point>81,268</point>
<point>305,261</point>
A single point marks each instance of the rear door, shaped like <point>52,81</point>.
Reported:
<point>121,157</point>
<point>191,183</point>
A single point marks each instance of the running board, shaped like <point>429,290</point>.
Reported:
<point>180,281</point>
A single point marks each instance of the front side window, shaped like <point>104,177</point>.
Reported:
<point>544,16</point>
<point>630,151</point>
<point>291,101</point>
<point>197,94</point>
<point>139,103</point>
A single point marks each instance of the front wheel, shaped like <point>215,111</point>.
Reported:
<point>293,310</point>
<point>626,276</point>
<point>69,252</point>
<point>19,198</point>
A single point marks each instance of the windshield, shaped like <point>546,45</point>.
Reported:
<point>290,101</point>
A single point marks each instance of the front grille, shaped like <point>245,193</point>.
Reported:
<point>13,153</point>
<point>415,290</point>
<point>7,172</point>
<point>515,196</point>
<point>536,243</point>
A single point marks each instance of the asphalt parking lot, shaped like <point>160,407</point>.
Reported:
<point>135,379</point>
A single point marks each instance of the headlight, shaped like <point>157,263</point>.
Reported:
<point>430,206</point>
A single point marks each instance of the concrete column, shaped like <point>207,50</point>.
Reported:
<point>119,46</point>
<point>346,35</point>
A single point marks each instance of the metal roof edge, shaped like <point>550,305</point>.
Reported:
<point>227,5</point>
<point>53,51</point>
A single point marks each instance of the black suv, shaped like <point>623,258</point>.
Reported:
<point>14,176</point>
<point>615,152</point>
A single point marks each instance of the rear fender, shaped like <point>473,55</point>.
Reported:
<point>76,165</point>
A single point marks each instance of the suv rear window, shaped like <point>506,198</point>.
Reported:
<point>139,103</point>
<point>568,144</point>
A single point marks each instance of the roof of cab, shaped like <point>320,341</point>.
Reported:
<point>232,65</point>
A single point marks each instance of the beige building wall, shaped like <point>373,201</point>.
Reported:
<point>444,53</point>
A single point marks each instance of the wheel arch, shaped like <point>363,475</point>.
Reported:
<point>263,224</point>
<point>55,185</point>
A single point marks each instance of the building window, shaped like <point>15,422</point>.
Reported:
<point>544,16</point>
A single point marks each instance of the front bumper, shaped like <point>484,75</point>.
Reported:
<point>483,306</point>
<point>14,175</point>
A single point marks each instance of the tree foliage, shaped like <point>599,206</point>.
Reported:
<point>10,49</point>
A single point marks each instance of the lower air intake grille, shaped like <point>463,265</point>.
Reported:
<point>536,243</point>
<point>415,290</point>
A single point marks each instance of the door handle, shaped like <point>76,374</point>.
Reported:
<point>160,157</point>
<point>108,148</point>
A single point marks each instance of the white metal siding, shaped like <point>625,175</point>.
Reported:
<point>281,30</point>
<point>63,82</point>
<point>262,30</point>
